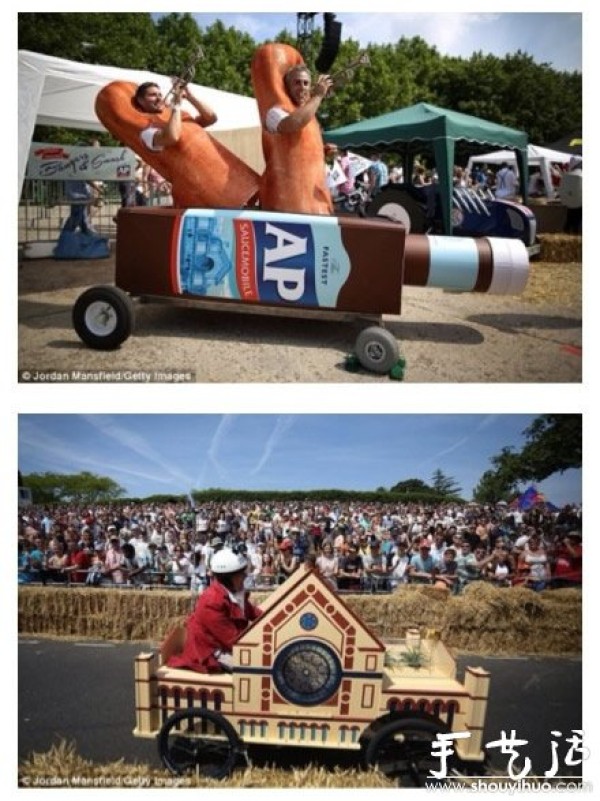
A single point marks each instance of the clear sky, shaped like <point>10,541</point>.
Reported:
<point>553,38</point>
<point>149,453</point>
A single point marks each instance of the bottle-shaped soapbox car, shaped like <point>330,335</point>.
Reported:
<point>295,264</point>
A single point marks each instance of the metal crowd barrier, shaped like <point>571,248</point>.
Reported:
<point>43,209</point>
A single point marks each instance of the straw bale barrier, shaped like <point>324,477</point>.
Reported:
<point>560,248</point>
<point>63,766</point>
<point>100,614</point>
<point>484,619</point>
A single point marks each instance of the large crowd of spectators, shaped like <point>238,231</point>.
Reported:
<point>356,547</point>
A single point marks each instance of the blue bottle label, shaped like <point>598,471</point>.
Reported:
<point>262,257</point>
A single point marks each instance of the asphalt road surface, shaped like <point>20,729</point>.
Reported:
<point>83,692</point>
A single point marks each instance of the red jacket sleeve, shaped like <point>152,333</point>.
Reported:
<point>215,624</point>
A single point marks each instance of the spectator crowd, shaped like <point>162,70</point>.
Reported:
<point>500,181</point>
<point>356,547</point>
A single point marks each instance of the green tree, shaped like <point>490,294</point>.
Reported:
<point>118,40</point>
<point>513,91</point>
<point>417,65</point>
<point>226,64</point>
<point>411,485</point>
<point>82,487</point>
<point>553,444</point>
<point>178,40</point>
<point>444,484</point>
<point>494,486</point>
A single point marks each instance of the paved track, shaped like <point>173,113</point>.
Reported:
<point>83,692</point>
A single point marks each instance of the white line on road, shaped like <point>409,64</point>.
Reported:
<point>94,644</point>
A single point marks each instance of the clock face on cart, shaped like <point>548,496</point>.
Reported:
<point>307,672</point>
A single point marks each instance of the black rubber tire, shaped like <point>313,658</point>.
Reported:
<point>103,317</point>
<point>401,750</point>
<point>399,206</point>
<point>377,350</point>
<point>199,741</point>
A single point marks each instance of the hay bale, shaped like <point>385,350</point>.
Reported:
<point>568,596</point>
<point>105,614</point>
<point>554,284</point>
<point>483,618</point>
<point>511,620</point>
<point>410,606</point>
<point>63,765</point>
<point>560,248</point>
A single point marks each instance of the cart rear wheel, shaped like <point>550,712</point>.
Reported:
<point>377,350</point>
<point>399,206</point>
<point>103,317</point>
<point>199,741</point>
<point>401,750</point>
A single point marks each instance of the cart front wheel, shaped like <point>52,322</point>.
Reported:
<point>377,350</point>
<point>201,742</point>
<point>103,317</point>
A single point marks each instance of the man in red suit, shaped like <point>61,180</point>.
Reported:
<point>223,612</point>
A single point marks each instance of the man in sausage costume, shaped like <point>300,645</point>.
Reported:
<point>148,98</point>
<point>294,176</point>
<point>203,173</point>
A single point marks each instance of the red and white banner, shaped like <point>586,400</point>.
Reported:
<point>75,163</point>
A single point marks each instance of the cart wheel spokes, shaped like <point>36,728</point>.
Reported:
<point>402,750</point>
<point>199,741</point>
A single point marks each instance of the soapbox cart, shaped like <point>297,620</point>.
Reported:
<point>290,264</point>
<point>308,673</point>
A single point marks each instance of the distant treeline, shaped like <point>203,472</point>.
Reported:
<point>302,496</point>
<point>88,488</point>
<point>514,90</point>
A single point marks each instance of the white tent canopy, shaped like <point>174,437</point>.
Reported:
<point>538,156</point>
<point>54,91</point>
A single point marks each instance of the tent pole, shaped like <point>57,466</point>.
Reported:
<point>444,159</point>
<point>523,164</point>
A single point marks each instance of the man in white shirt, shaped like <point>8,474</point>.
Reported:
<point>157,136</point>
<point>201,522</point>
<point>298,85</point>
<point>507,184</point>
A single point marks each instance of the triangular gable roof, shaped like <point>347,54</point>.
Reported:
<point>289,588</point>
<point>281,591</point>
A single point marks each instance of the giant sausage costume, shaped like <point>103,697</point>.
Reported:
<point>202,172</point>
<point>294,177</point>
<point>292,252</point>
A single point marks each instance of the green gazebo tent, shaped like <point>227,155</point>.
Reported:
<point>405,128</point>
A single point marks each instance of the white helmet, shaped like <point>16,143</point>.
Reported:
<point>226,561</point>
